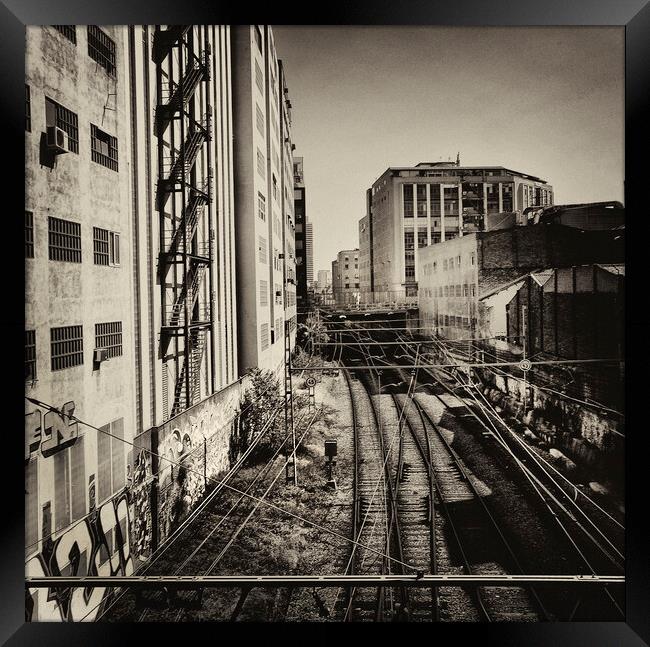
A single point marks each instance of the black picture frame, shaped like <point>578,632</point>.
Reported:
<point>633,15</point>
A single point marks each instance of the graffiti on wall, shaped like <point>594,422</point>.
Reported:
<point>141,530</point>
<point>52,432</point>
<point>194,448</point>
<point>99,544</point>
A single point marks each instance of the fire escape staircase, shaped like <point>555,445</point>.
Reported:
<point>193,359</point>
<point>165,39</point>
<point>189,292</point>
<point>185,160</point>
<point>188,222</point>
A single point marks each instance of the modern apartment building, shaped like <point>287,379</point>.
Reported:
<point>412,207</point>
<point>261,127</point>
<point>345,277</point>
<point>79,318</point>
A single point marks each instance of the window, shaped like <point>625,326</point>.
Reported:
<point>465,290</point>
<point>458,260</point>
<point>260,119</point>
<point>69,31</point>
<point>264,293</point>
<point>109,336</point>
<point>347,285</point>
<point>57,115</point>
<point>264,336</point>
<point>30,355</point>
<point>103,148</point>
<point>64,237</point>
<point>262,249</point>
<point>111,466</point>
<point>445,265</point>
<point>275,188</point>
<point>101,48</point>
<point>100,246</point>
<point>28,109</point>
<point>472,259</point>
<point>259,78</point>
<point>67,346</point>
<point>258,38</point>
<point>408,200</point>
<point>261,163</point>
<point>115,248</point>
<point>29,234</point>
<point>31,506</point>
<point>261,206</point>
<point>69,488</point>
<point>473,290</point>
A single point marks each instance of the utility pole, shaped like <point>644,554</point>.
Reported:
<point>291,473</point>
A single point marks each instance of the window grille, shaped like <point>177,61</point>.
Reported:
<point>103,148</point>
<point>264,293</point>
<point>260,119</point>
<point>264,336</point>
<point>101,48</point>
<point>67,347</point>
<point>28,109</point>
<point>69,31</point>
<point>29,234</point>
<point>109,336</point>
<point>30,355</point>
<point>261,206</point>
<point>100,246</point>
<point>261,163</point>
<point>258,38</point>
<point>262,249</point>
<point>64,237</point>
<point>259,78</point>
<point>57,115</point>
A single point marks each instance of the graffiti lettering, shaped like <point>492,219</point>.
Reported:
<point>52,433</point>
<point>96,545</point>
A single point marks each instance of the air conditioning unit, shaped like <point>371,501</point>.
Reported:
<point>101,355</point>
<point>56,140</point>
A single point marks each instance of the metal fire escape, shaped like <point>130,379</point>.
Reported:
<point>186,237</point>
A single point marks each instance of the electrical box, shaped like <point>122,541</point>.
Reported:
<point>330,448</point>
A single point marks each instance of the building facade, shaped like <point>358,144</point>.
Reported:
<point>261,116</point>
<point>301,231</point>
<point>345,278</point>
<point>412,207</point>
<point>465,283</point>
<point>79,342</point>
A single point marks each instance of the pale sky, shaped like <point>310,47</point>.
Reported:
<point>548,101</point>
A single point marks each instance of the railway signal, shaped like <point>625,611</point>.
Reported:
<point>331,449</point>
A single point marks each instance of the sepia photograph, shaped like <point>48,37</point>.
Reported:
<point>325,323</point>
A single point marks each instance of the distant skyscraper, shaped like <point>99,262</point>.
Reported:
<point>301,231</point>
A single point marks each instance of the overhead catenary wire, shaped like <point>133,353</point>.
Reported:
<point>273,506</point>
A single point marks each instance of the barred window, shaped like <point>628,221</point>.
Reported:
<point>30,355</point>
<point>101,48</point>
<point>100,246</point>
<point>264,293</point>
<point>261,206</point>
<point>57,115</point>
<point>261,163</point>
<point>264,336</point>
<point>109,336</point>
<point>67,346</point>
<point>64,240</point>
<point>69,31</point>
<point>262,249</point>
<point>259,78</point>
<point>103,148</point>
<point>28,109</point>
<point>260,119</point>
<point>258,38</point>
<point>29,234</point>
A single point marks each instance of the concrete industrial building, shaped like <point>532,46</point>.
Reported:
<point>411,207</point>
<point>345,278</point>
<point>135,168</point>
<point>79,339</point>
<point>324,278</point>
<point>466,282</point>
<point>263,199</point>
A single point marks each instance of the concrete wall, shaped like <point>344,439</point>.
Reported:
<point>73,187</point>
